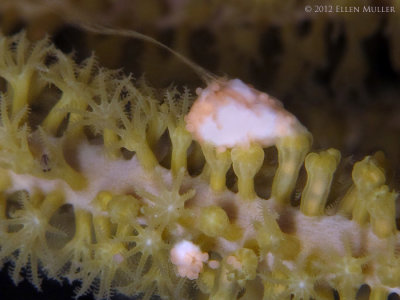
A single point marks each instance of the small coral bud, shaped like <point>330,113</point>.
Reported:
<point>320,169</point>
<point>382,210</point>
<point>213,221</point>
<point>246,163</point>
<point>291,153</point>
<point>219,163</point>
<point>213,264</point>
<point>241,266</point>
<point>188,259</point>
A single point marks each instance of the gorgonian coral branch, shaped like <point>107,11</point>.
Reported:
<point>106,160</point>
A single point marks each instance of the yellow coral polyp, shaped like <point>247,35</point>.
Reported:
<point>291,153</point>
<point>19,67</point>
<point>75,82</point>
<point>366,174</point>
<point>92,191</point>
<point>320,169</point>
<point>218,162</point>
<point>247,161</point>
<point>382,211</point>
<point>181,139</point>
<point>213,221</point>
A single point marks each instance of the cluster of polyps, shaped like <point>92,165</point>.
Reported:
<point>233,123</point>
<point>232,117</point>
<point>98,162</point>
